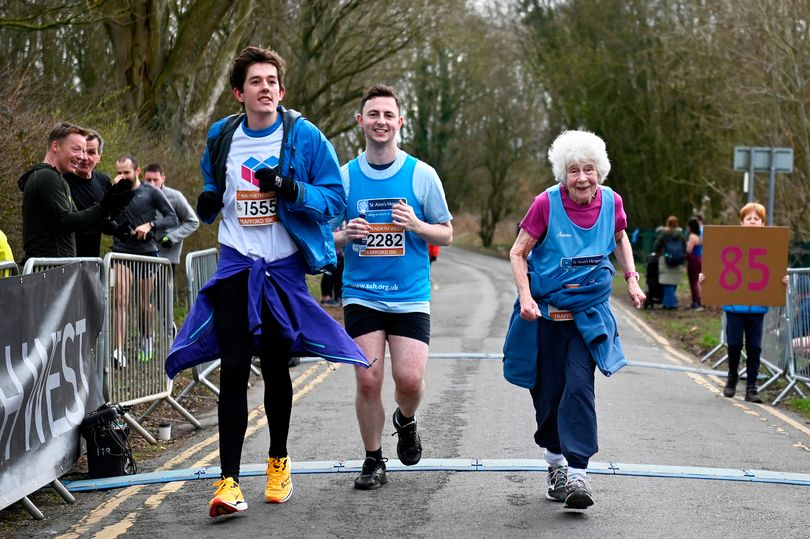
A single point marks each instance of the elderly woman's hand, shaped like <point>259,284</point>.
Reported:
<point>636,294</point>
<point>529,309</point>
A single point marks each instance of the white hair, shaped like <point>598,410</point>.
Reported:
<point>578,147</point>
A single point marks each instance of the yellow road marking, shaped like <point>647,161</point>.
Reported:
<point>256,420</point>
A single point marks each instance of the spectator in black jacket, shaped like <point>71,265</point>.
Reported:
<point>134,232</point>
<point>50,217</point>
<point>87,187</point>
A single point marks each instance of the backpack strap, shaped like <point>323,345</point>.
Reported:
<point>289,117</point>
<point>219,146</point>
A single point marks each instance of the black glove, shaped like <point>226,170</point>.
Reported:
<point>166,242</point>
<point>122,231</point>
<point>208,205</point>
<point>117,197</point>
<point>269,180</point>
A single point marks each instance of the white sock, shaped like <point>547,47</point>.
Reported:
<point>573,472</point>
<point>555,459</point>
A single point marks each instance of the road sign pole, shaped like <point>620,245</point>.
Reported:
<point>750,174</point>
<point>771,182</point>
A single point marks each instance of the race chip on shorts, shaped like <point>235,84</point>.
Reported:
<point>254,208</point>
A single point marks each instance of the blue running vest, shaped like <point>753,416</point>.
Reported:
<point>568,251</point>
<point>394,265</point>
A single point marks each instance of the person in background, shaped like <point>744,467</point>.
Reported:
<point>670,246</point>
<point>332,283</point>
<point>87,187</point>
<point>745,321</point>
<point>433,252</point>
<point>5,249</point>
<point>49,216</point>
<point>694,260</point>
<point>170,240</point>
<point>134,234</point>
<point>561,267</point>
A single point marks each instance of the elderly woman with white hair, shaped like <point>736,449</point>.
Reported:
<point>562,326</point>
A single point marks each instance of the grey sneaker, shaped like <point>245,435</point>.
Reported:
<point>578,493</point>
<point>555,483</point>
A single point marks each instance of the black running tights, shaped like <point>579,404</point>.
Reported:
<point>231,322</point>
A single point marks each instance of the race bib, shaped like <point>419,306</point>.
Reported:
<point>254,208</point>
<point>558,315</point>
<point>384,239</point>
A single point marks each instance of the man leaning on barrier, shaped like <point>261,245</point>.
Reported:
<point>49,215</point>
<point>275,179</point>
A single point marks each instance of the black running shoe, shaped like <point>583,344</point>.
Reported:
<point>752,395</point>
<point>409,446</point>
<point>372,475</point>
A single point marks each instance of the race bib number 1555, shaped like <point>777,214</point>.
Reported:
<point>254,208</point>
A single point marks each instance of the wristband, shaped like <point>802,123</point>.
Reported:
<point>629,274</point>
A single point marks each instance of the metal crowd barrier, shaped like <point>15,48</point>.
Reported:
<point>773,341</point>
<point>775,344</point>
<point>9,268</point>
<point>798,313</point>
<point>140,311</point>
<point>722,344</point>
<point>35,265</point>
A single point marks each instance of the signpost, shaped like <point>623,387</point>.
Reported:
<point>771,160</point>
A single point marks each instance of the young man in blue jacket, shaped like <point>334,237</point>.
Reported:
<point>275,179</point>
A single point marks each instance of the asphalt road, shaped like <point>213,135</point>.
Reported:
<point>646,417</point>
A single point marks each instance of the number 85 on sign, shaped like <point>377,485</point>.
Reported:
<point>744,265</point>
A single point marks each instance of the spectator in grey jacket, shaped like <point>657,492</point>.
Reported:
<point>170,240</point>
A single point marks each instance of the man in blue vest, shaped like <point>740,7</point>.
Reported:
<point>396,206</point>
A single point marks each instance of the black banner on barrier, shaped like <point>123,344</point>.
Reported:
<point>49,324</point>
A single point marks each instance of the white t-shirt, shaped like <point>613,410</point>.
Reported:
<point>249,222</point>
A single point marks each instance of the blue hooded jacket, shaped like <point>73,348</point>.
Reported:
<point>590,305</point>
<point>308,158</point>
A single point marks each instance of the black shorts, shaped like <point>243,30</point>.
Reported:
<point>360,320</point>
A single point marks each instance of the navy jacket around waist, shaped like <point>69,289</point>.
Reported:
<point>590,306</point>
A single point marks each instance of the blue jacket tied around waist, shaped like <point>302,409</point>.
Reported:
<point>281,285</point>
<point>590,305</point>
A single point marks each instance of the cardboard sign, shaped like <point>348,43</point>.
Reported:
<point>744,265</point>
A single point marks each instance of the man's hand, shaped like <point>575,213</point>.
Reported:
<point>166,242</point>
<point>122,231</point>
<point>270,181</point>
<point>404,216</point>
<point>208,205</point>
<point>143,231</point>
<point>117,197</point>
